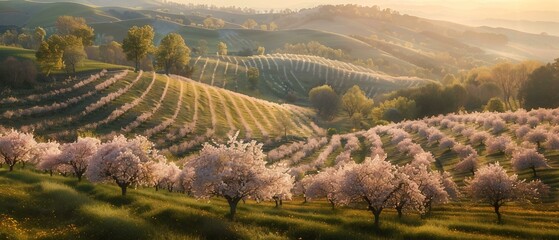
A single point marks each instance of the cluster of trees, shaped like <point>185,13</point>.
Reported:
<point>252,24</point>
<point>359,108</point>
<point>314,48</point>
<point>17,73</point>
<point>235,170</point>
<point>213,23</point>
<point>25,38</point>
<point>66,48</point>
<point>540,90</point>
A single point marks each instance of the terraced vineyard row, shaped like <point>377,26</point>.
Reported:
<point>281,73</point>
<point>177,113</point>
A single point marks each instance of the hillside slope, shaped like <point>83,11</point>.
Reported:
<point>292,76</point>
<point>408,31</point>
<point>178,114</point>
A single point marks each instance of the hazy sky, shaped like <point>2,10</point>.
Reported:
<point>535,10</point>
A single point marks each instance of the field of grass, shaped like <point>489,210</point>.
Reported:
<point>86,66</point>
<point>36,205</point>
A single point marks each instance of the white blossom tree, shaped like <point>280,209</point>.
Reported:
<point>235,171</point>
<point>282,184</point>
<point>528,158</point>
<point>78,154</point>
<point>492,185</point>
<point>325,184</point>
<point>428,182</point>
<point>409,197</point>
<point>184,181</point>
<point>450,186</point>
<point>468,164</point>
<point>16,146</point>
<point>375,182</point>
<point>126,161</point>
<point>497,144</point>
<point>47,155</point>
<point>537,136</point>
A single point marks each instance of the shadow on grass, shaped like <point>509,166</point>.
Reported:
<point>195,223</point>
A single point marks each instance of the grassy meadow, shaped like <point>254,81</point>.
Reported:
<point>36,205</point>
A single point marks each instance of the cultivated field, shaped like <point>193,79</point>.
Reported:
<point>177,113</point>
<point>283,73</point>
<point>97,211</point>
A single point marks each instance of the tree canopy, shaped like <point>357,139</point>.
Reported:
<point>172,54</point>
<point>325,100</point>
<point>138,43</point>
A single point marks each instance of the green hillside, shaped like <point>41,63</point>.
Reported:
<point>281,74</point>
<point>87,65</point>
<point>98,210</point>
<point>33,14</point>
<point>179,109</point>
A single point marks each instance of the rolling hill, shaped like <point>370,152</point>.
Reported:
<point>399,45</point>
<point>87,65</point>
<point>96,210</point>
<point>281,74</point>
<point>178,114</point>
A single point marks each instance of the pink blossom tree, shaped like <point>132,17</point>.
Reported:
<point>408,198</point>
<point>492,185</point>
<point>171,178</point>
<point>235,171</point>
<point>536,136</point>
<point>326,184</point>
<point>552,142</point>
<point>47,155</point>
<point>125,161</point>
<point>282,185</point>
<point>78,154</point>
<point>450,186</point>
<point>528,159</point>
<point>375,182</point>
<point>429,183</point>
<point>468,164</point>
<point>498,144</point>
<point>184,181</point>
<point>479,138</point>
<point>447,143</point>
<point>16,146</point>
<point>463,151</point>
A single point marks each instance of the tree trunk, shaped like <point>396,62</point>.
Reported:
<point>534,172</point>
<point>377,219</point>
<point>232,207</point>
<point>50,171</point>
<point>376,213</point>
<point>123,190</point>
<point>496,206</point>
<point>79,175</point>
<point>332,204</point>
<point>399,209</point>
<point>11,167</point>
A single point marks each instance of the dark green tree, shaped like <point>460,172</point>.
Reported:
<point>325,100</point>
